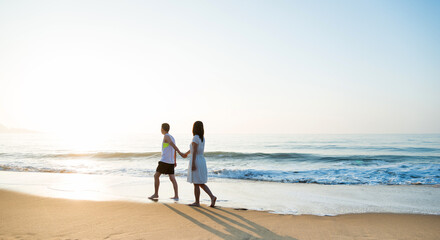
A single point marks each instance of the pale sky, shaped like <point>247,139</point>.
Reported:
<point>239,66</point>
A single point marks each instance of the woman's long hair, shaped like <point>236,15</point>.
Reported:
<point>198,129</point>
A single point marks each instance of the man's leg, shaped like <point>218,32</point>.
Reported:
<point>156,185</point>
<point>176,189</point>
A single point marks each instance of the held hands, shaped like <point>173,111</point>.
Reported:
<point>194,167</point>
<point>184,155</point>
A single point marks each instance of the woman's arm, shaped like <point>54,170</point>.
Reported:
<point>185,155</point>
<point>194,154</point>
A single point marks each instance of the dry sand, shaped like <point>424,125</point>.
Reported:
<point>30,217</point>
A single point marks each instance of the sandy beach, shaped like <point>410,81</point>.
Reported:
<point>296,120</point>
<point>30,217</point>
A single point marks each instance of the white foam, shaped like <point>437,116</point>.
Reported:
<point>282,198</point>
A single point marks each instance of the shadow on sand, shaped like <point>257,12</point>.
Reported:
<point>230,225</point>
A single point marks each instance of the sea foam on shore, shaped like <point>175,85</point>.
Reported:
<point>279,198</point>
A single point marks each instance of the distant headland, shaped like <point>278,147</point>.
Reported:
<point>4,129</point>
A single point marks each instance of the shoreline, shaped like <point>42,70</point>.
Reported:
<point>280,198</point>
<point>31,217</point>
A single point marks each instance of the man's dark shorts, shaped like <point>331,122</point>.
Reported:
<point>165,168</point>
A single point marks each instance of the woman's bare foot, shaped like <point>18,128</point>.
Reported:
<point>213,200</point>
<point>175,198</point>
<point>194,204</point>
<point>154,196</point>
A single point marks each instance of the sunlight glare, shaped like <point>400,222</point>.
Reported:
<point>79,187</point>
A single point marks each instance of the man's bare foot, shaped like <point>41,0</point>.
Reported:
<point>213,202</point>
<point>175,198</point>
<point>154,196</point>
<point>194,204</point>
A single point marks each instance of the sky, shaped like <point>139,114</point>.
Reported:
<point>330,67</point>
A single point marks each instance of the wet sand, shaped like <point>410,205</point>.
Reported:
<point>31,217</point>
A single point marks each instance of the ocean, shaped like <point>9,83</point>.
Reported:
<point>320,159</point>
<point>285,174</point>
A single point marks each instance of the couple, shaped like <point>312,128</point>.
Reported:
<point>197,171</point>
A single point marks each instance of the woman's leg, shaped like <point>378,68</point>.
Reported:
<point>196,195</point>
<point>208,191</point>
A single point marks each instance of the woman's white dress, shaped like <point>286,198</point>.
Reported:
<point>200,175</point>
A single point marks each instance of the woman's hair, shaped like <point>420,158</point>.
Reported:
<point>198,129</point>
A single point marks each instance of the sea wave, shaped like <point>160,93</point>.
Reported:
<point>357,160</point>
<point>400,174</point>
<point>257,155</point>
<point>33,169</point>
<point>104,155</point>
<point>220,156</point>
<point>425,174</point>
<point>97,155</point>
<point>407,149</point>
<point>257,166</point>
<point>125,155</point>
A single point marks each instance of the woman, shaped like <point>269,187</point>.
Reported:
<point>197,171</point>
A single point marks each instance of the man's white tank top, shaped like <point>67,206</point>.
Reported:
<point>167,151</point>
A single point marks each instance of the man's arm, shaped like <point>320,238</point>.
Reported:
<point>168,140</point>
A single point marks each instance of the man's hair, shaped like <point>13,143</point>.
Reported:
<point>166,127</point>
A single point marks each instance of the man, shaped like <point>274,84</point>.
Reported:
<point>167,162</point>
